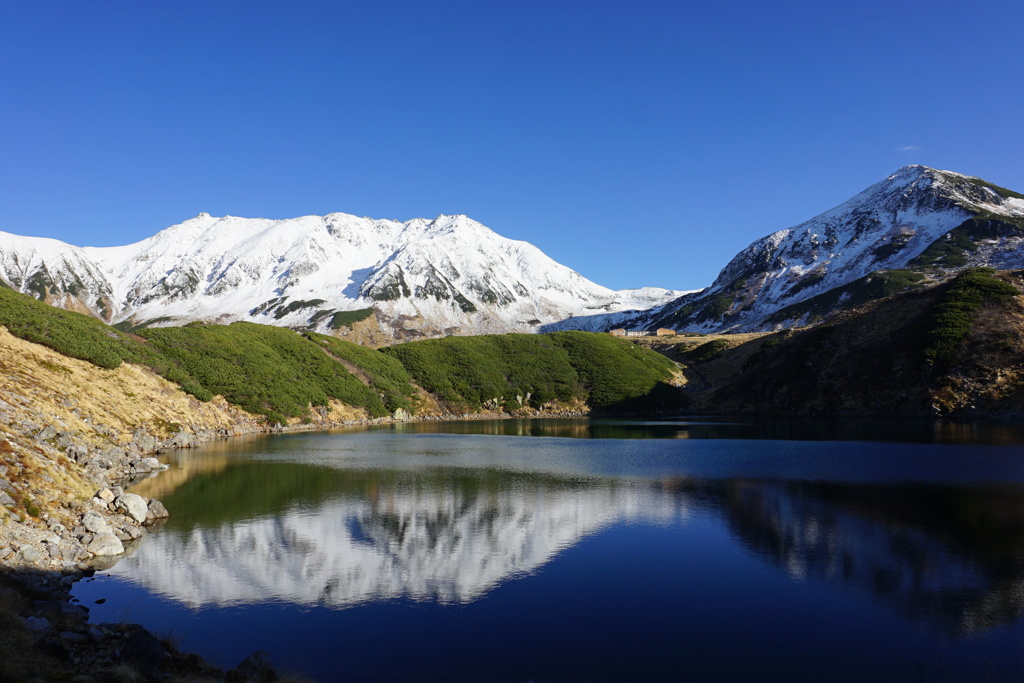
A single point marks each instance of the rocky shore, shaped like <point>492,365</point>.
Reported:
<point>73,437</point>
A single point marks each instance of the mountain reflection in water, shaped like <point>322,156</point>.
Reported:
<point>948,557</point>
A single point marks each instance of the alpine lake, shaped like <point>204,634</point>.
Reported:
<point>592,550</point>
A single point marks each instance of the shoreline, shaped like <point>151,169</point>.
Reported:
<point>43,555</point>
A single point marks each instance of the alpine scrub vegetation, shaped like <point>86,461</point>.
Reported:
<point>268,370</point>
<point>281,374</point>
<point>516,371</point>
<point>952,316</point>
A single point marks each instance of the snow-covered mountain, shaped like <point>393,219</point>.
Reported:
<point>450,275</point>
<point>934,222</point>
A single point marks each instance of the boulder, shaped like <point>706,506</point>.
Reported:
<point>256,668</point>
<point>95,523</point>
<point>106,495</point>
<point>106,544</point>
<point>153,464</point>
<point>38,624</point>
<point>45,433</point>
<point>143,651</point>
<point>157,509</point>
<point>142,442</point>
<point>133,505</point>
<point>31,554</point>
<point>77,453</point>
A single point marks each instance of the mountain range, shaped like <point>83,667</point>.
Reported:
<point>452,275</point>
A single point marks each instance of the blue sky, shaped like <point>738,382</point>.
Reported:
<point>640,143</point>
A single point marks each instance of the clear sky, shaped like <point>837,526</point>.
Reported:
<point>640,143</point>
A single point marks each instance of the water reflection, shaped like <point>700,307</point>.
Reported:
<point>947,557</point>
<point>447,536</point>
<point>789,429</point>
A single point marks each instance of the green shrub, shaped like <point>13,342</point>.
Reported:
<point>952,316</point>
<point>471,371</point>
<point>706,352</point>
<point>384,373</point>
<point>268,370</point>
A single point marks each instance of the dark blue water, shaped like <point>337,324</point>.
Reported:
<point>593,551</point>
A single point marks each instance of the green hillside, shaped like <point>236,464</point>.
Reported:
<point>280,373</point>
<point>523,370</point>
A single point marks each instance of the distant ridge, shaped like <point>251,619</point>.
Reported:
<point>421,278</point>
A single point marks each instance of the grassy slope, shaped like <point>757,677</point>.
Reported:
<point>266,370</point>
<point>499,370</point>
<point>263,369</point>
<point>280,373</point>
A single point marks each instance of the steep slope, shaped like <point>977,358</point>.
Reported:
<point>932,222</point>
<point>952,348</point>
<point>450,275</point>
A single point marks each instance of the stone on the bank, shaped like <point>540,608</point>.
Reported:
<point>256,668</point>
<point>106,544</point>
<point>133,504</point>
<point>105,495</point>
<point>95,523</point>
<point>144,652</point>
<point>153,464</point>
<point>38,624</point>
<point>157,509</point>
<point>31,554</point>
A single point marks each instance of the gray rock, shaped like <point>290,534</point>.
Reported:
<point>63,440</point>
<point>182,440</point>
<point>6,553</point>
<point>95,523</point>
<point>6,500</point>
<point>144,652</point>
<point>105,495</point>
<point>132,504</point>
<point>153,464</point>
<point>157,509</point>
<point>45,433</point>
<point>106,544</point>
<point>256,668</point>
<point>5,485</point>
<point>38,624</point>
<point>31,554</point>
<point>77,453</point>
<point>142,442</point>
